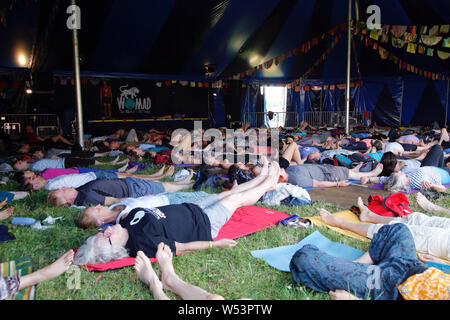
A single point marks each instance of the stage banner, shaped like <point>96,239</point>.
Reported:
<point>140,99</point>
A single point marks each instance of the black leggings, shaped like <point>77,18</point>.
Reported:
<point>71,162</point>
<point>435,158</point>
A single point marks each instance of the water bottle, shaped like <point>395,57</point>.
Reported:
<point>23,221</point>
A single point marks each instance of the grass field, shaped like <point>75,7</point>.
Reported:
<point>232,273</point>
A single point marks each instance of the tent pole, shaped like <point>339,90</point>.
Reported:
<point>78,84</point>
<point>446,108</point>
<point>349,55</point>
<point>401,102</point>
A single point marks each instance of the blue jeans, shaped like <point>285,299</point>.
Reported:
<point>140,187</point>
<point>394,255</point>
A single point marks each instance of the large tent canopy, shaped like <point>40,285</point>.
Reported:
<point>174,39</point>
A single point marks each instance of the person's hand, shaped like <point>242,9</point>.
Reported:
<point>438,188</point>
<point>427,257</point>
<point>344,183</point>
<point>426,185</point>
<point>364,180</point>
<point>224,243</point>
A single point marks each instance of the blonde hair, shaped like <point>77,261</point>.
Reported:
<point>84,221</point>
<point>56,201</point>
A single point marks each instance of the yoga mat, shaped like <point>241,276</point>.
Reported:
<point>380,186</point>
<point>351,181</point>
<point>346,215</point>
<point>244,221</point>
<point>19,267</point>
<point>182,165</point>
<point>440,266</point>
<point>280,257</point>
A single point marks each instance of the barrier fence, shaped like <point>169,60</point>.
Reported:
<point>279,119</point>
<point>45,124</point>
<point>335,118</point>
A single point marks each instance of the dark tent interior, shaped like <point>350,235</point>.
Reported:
<point>209,58</point>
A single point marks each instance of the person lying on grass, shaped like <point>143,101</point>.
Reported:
<point>78,179</point>
<point>390,270</point>
<point>431,234</point>
<point>98,215</point>
<point>61,163</point>
<point>107,192</point>
<point>169,279</point>
<point>183,227</point>
<point>432,174</point>
<point>11,285</point>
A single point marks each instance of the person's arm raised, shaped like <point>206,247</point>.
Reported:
<point>203,245</point>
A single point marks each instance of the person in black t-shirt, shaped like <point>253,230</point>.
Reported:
<point>183,227</point>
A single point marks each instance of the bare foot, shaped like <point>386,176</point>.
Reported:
<point>342,295</point>
<point>58,267</point>
<point>164,256</point>
<point>444,135</point>
<point>328,218</point>
<point>131,170</point>
<point>428,206</point>
<point>366,214</point>
<point>4,214</point>
<point>2,204</point>
<point>123,168</point>
<point>147,275</point>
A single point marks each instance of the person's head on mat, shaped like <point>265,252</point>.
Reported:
<point>21,165</point>
<point>397,181</point>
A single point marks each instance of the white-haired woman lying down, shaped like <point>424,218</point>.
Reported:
<point>183,227</point>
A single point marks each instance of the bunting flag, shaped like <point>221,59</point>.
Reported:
<point>411,48</point>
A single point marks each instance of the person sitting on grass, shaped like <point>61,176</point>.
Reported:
<point>98,215</point>
<point>107,192</point>
<point>390,270</point>
<point>78,179</point>
<point>12,284</point>
<point>431,234</point>
<point>183,227</point>
<point>169,279</point>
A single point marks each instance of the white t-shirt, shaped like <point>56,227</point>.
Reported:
<point>74,180</point>
<point>151,201</point>
<point>394,147</point>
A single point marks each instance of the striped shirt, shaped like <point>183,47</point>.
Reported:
<point>419,175</point>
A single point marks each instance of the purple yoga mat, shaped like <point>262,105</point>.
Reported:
<point>185,165</point>
<point>380,186</point>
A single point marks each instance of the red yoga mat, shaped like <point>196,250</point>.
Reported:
<point>244,221</point>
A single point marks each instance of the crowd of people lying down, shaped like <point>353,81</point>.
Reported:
<point>165,213</point>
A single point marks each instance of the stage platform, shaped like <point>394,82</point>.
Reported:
<point>100,127</point>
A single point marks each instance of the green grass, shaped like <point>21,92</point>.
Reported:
<point>232,273</point>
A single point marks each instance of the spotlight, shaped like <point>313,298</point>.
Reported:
<point>29,91</point>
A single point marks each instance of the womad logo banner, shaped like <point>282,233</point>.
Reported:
<point>129,102</point>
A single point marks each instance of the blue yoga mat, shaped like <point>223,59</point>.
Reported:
<point>280,257</point>
<point>309,188</point>
<point>440,266</point>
